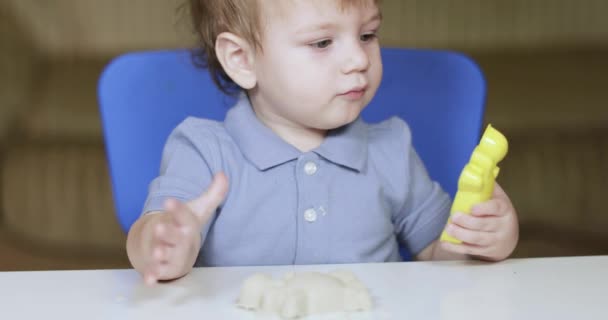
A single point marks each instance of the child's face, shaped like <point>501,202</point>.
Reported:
<point>319,65</point>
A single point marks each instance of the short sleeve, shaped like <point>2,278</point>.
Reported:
<point>185,170</point>
<point>426,208</point>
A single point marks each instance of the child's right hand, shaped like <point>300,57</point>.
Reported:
<point>170,241</point>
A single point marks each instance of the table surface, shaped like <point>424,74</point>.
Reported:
<point>539,288</point>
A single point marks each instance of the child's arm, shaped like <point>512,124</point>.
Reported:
<point>164,245</point>
<point>489,233</point>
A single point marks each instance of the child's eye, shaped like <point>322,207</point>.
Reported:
<point>321,44</point>
<point>368,37</point>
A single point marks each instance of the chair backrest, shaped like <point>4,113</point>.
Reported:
<point>144,95</point>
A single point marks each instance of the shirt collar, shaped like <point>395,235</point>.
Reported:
<point>345,146</point>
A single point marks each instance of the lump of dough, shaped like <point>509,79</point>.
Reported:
<point>300,294</point>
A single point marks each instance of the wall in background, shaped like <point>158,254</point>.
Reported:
<point>102,28</point>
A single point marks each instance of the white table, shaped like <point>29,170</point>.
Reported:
<point>548,288</point>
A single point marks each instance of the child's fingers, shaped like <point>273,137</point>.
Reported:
<point>153,273</point>
<point>465,249</point>
<point>478,238</point>
<point>156,253</point>
<point>164,263</point>
<point>170,204</point>
<point>165,255</point>
<point>205,205</point>
<point>172,208</point>
<point>168,244</point>
<point>470,222</point>
<point>182,216</point>
<point>150,278</point>
<point>498,191</point>
<point>161,254</point>
<point>493,207</point>
<point>160,271</point>
<point>187,222</point>
<point>166,234</point>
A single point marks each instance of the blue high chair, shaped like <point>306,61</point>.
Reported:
<point>144,95</point>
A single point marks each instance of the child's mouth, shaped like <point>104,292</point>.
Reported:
<point>354,94</point>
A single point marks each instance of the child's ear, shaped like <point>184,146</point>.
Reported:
<point>237,58</point>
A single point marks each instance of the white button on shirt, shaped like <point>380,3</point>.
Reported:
<point>310,168</point>
<point>310,215</point>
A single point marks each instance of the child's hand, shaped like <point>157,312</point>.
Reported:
<point>171,240</point>
<point>490,232</point>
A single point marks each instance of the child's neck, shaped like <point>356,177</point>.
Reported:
<point>303,138</point>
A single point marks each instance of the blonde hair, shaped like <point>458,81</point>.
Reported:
<point>209,18</point>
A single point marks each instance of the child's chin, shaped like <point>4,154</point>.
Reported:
<point>337,123</point>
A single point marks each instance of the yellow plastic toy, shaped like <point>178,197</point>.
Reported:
<point>476,182</point>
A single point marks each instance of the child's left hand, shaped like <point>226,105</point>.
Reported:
<point>490,232</point>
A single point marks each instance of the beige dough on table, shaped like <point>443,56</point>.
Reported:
<point>301,294</point>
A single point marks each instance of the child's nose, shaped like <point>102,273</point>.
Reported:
<point>356,59</point>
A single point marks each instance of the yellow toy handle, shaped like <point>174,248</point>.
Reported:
<point>476,182</point>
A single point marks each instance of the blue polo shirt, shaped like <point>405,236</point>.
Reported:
<point>353,199</point>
